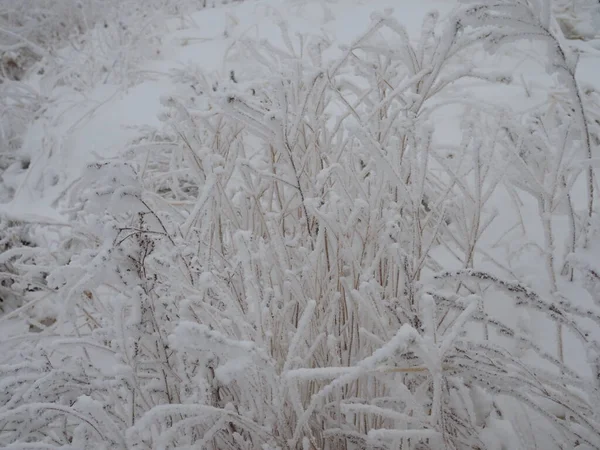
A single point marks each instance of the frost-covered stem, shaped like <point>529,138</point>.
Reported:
<point>301,191</point>
<point>545,208</point>
<point>583,123</point>
<point>474,231</point>
<point>572,231</point>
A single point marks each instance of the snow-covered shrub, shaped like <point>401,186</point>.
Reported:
<point>295,261</point>
<point>53,50</point>
<point>9,298</point>
<point>24,266</point>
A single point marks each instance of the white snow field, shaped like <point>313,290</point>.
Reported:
<point>300,224</point>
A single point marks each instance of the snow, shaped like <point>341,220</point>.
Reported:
<point>250,225</point>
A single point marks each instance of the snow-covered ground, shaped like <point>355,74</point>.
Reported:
<point>306,224</point>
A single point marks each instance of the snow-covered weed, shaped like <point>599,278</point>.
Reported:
<point>54,53</point>
<point>295,260</point>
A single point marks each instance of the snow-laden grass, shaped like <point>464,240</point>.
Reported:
<point>296,244</point>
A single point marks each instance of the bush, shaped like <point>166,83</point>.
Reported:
<point>295,262</point>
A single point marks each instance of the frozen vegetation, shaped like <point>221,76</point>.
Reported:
<point>299,224</point>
